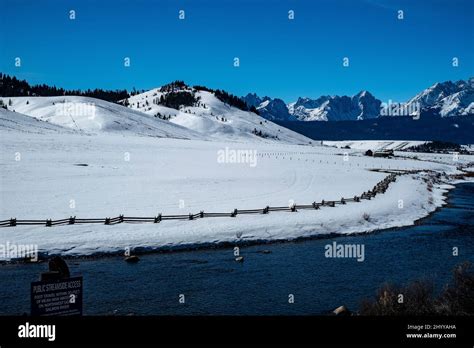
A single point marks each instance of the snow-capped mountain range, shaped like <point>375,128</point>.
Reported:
<point>443,99</point>
<point>361,106</point>
<point>326,108</point>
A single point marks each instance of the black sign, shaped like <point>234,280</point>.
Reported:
<point>57,297</point>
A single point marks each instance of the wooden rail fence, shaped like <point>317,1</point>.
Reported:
<point>379,188</point>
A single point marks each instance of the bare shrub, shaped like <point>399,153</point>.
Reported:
<point>418,297</point>
<point>458,297</point>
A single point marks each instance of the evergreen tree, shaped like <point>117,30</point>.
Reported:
<point>254,110</point>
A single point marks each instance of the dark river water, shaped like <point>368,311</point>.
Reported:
<point>214,283</point>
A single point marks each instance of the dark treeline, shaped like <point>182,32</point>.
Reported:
<point>228,98</point>
<point>437,147</point>
<point>10,86</point>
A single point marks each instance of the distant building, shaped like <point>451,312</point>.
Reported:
<point>383,153</point>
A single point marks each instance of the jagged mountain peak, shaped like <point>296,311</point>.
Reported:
<point>336,108</point>
<point>364,94</point>
<point>270,109</point>
<point>447,98</point>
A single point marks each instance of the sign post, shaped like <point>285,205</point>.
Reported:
<point>57,297</point>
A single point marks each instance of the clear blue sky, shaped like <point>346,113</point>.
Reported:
<point>393,59</point>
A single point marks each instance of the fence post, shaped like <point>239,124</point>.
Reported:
<point>49,223</point>
<point>190,216</point>
<point>157,219</point>
<point>72,220</point>
<point>107,221</point>
<point>13,222</point>
<point>201,214</point>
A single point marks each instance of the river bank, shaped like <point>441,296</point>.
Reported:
<point>213,283</point>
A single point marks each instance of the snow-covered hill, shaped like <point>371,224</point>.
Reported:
<point>209,119</point>
<point>90,115</point>
<point>215,119</point>
<point>15,122</point>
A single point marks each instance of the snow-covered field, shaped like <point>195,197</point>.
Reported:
<point>48,171</point>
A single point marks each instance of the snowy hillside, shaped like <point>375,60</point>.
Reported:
<point>215,119</point>
<point>89,115</point>
<point>15,122</point>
